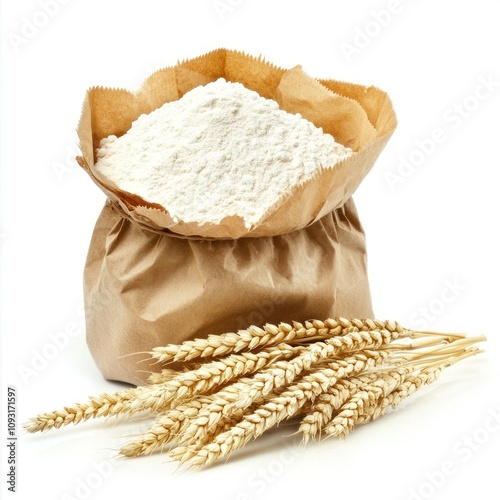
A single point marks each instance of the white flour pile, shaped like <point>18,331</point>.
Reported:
<point>220,150</point>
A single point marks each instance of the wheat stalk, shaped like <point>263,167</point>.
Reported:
<point>228,400</point>
<point>323,408</point>
<point>219,372</point>
<point>161,396</point>
<point>171,425</point>
<point>165,429</point>
<point>275,409</point>
<point>345,420</point>
<point>406,383</point>
<point>167,374</point>
<point>104,405</point>
<point>335,374</point>
<point>285,373</point>
<point>254,337</point>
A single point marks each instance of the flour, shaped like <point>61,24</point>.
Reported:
<point>220,150</point>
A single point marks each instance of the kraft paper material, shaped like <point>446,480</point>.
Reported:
<point>150,281</point>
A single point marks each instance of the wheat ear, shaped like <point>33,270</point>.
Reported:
<point>274,410</point>
<point>327,403</point>
<point>161,396</point>
<point>166,427</point>
<point>255,337</point>
<point>411,380</point>
<point>285,373</point>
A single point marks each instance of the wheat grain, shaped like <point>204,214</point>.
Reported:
<point>167,374</point>
<point>161,396</point>
<point>407,381</point>
<point>165,428</point>
<point>322,410</point>
<point>219,372</point>
<point>255,337</point>
<point>275,409</point>
<point>330,371</point>
<point>285,373</point>
<point>228,400</point>
<point>367,395</point>
<point>104,405</point>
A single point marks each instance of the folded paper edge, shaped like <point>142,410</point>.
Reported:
<point>130,202</point>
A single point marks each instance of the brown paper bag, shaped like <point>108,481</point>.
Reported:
<point>151,281</point>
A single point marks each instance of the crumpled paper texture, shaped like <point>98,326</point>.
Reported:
<point>150,281</point>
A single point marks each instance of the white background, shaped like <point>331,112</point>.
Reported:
<point>438,226</point>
